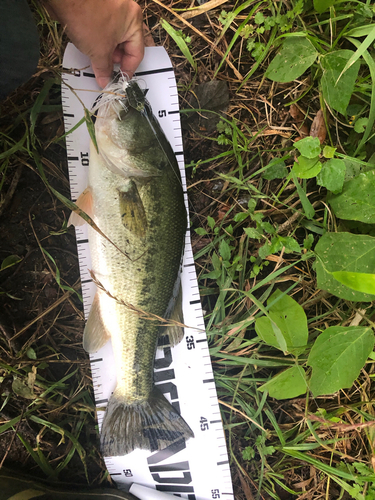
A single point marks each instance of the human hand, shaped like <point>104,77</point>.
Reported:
<point>108,31</point>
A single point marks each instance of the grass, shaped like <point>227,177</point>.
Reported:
<point>255,224</point>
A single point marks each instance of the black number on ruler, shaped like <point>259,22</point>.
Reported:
<point>190,342</point>
<point>85,159</point>
<point>204,424</point>
<point>162,113</point>
<point>215,493</point>
<point>127,473</point>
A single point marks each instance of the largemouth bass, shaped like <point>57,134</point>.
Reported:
<point>135,197</point>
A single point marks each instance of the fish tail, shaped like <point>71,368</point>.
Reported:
<point>151,425</point>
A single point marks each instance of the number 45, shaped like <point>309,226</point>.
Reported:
<point>204,424</point>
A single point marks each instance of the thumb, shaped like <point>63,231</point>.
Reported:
<point>103,68</point>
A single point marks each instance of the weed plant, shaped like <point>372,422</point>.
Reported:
<point>281,187</point>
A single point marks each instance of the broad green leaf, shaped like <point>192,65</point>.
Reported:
<point>211,222</point>
<point>294,58</point>
<point>308,147</point>
<point>288,384</point>
<point>337,357</point>
<point>224,250</point>
<point>290,321</point>
<point>275,170</point>
<point>338,95</point>
<point>356,201</point>
<point>322,5</point>
<point>307,168</point>
<point>354,168</point>
<point>332,175</point>
<point>344,252</point>
<point>362,282</point>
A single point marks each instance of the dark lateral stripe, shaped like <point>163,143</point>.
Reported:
<point>223,463</point>
<point>91,75</point>
<point>208,380</point>
<point>96,360</point>
<point>70,115</point>
<point>73,158</point>
<point>195,302</point>
<point>201,340</point>
<point>101,401</point>
<point>173,112</point>
<point>81,242</point>
<point>154,71</point>
<point>86,281</point>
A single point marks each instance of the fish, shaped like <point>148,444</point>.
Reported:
<point>135,197</point>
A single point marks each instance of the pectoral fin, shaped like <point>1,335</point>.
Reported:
<point>173,334</point>
<point>95,334</point>
<point>84,202</point>
<point>132,211</point>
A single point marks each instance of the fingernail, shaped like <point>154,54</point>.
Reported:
<point>102,81</point>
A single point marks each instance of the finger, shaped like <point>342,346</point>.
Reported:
<point>103,68</point>
<point>147,37</point>
<point>133,52</point>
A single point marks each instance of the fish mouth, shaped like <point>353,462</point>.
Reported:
<point>119,95</point>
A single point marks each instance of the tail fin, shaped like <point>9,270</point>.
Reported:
<point>151,425</point>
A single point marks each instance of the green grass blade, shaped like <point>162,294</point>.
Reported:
<point>359,52</point>
<point>182,45</point>
<point>371,65</point>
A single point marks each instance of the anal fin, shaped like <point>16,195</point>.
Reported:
<point>95,334</point>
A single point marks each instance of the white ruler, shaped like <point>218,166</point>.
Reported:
<point>197,469</point>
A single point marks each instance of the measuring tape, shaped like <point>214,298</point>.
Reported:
<point>197,469</point>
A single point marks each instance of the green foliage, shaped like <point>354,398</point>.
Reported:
<point>332,175</point>
<point>308,147</point>
<point>338,92</point>
<point>276,169</point>
<point>348,252</point>
<point>307,168</point>
<point>356,201</point>
<point>337,356</point>
<point>285,325</point>
<point>290,383</point>
<point>294,58</point>
<point>181,41</point>
<point>10,261</point>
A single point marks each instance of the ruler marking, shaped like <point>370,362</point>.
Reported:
<point>154,71</point>
<point>101,401</point>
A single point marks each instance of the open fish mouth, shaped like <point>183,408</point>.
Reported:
<point>121,94</point>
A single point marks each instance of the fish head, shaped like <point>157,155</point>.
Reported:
<point>125,137</point>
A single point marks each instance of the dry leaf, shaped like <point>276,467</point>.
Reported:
<point>318,127</point>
